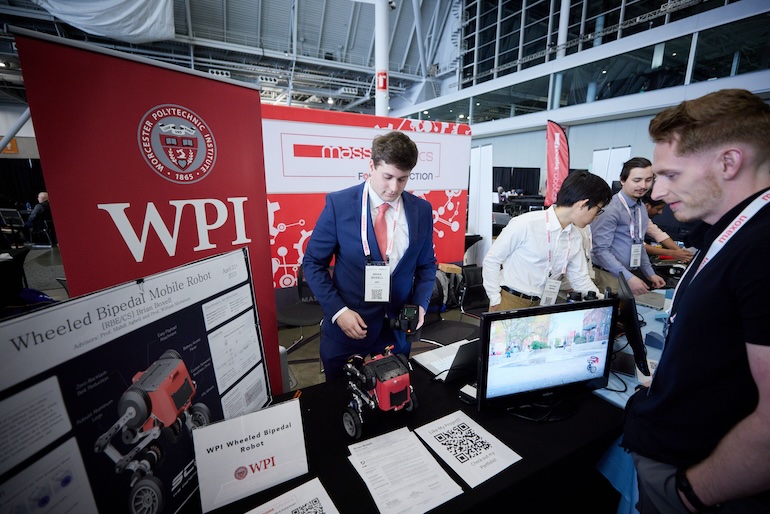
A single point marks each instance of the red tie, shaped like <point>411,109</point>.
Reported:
<point>381,229</point>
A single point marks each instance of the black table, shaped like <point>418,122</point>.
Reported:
<point>472,239</point>
<point>520,204</point>
<point>12,279</point>
<point>557,471</point>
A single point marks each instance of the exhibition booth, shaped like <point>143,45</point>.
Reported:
<point>182,204</point>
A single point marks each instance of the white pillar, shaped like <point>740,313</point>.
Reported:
<point>561,39</point>
<point>381,53</point>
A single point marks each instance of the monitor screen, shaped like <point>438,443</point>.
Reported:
<point>629,320</point>
<point>529,356</point>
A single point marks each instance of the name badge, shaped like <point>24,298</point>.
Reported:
<point>550,292</point>
<point>636,255</point>
<point>377,282</point>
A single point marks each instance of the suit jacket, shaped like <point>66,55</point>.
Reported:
<point>40,213</point>
<point>337,234</point>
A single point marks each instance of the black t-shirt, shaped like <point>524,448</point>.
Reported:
<point>703,385</point>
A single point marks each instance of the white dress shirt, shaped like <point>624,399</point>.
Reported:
<point>522,250</point>
<point>401,242</point>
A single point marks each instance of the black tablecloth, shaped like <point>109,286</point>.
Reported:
<point>11,276</point>
<point>557,468</point>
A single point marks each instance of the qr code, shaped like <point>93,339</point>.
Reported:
<point>376,294</point>
<point>312,507</point>
<point>462,442</point>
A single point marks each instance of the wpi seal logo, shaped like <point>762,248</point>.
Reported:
<point>177,144</point>
<point>241,472</point>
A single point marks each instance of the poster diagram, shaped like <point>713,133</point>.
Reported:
<point>99,395</point>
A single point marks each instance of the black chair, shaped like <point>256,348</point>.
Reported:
<point>473,299</point>
<point>44,237</point>
<point>439,331</point>
<point>305,312</point>
<point>12,220</point>
<point>499,222</point>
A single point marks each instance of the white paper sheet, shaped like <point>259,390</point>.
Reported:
<point>309,497</point>
<point>401,474</point>
<point>471,451</point>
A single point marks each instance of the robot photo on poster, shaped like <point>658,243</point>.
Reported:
<point>101,393</point>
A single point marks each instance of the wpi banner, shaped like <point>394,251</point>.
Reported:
<point>148,167</point>
<point>309,153</point>
<point>557,160</point>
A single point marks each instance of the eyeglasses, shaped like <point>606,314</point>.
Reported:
<point>601,210</point>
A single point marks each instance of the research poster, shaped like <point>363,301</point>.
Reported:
<point>160,164</point>
<point>99,395</point>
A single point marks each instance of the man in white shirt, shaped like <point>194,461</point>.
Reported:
<point>536,250</point>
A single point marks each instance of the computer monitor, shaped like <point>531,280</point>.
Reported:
<point>532,360</point>
<point>629,319</point>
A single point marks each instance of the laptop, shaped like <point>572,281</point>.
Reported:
<point>452,362</point>
<point>652,300</point>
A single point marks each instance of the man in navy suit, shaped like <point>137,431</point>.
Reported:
<point>369,286</point>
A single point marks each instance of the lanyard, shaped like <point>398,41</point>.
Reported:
<point>365,216</point>
<point>727,234</point>
<point>550,250</point>
<point>631,228</point>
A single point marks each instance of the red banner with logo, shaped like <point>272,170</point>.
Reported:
<point>310,152</point>
<point>557,160</point>
<point>148,167</point>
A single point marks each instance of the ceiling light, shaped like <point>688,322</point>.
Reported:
<point>425,112</point>
<point>3,64</point>
<point>330,101</point>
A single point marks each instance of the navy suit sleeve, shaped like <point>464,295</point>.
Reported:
<point>425,271</point>
<point>321,247</point>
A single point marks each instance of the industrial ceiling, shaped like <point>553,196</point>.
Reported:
<point>315,53</point>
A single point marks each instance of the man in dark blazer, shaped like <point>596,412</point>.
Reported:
<point>370,286</point>
<point>40,213</point>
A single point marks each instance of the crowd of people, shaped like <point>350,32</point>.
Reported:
<point>699,433</point>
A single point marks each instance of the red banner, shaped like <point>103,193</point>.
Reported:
<point>557,159</point>
<point>309,152</point>
<point>148,167</point>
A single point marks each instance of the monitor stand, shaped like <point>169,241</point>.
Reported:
<point>550,407</point>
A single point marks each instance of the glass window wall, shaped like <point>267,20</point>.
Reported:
<point>525,98</point>
<point>455,112</point>
<point>647,69</point>
<point>733,49</point>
